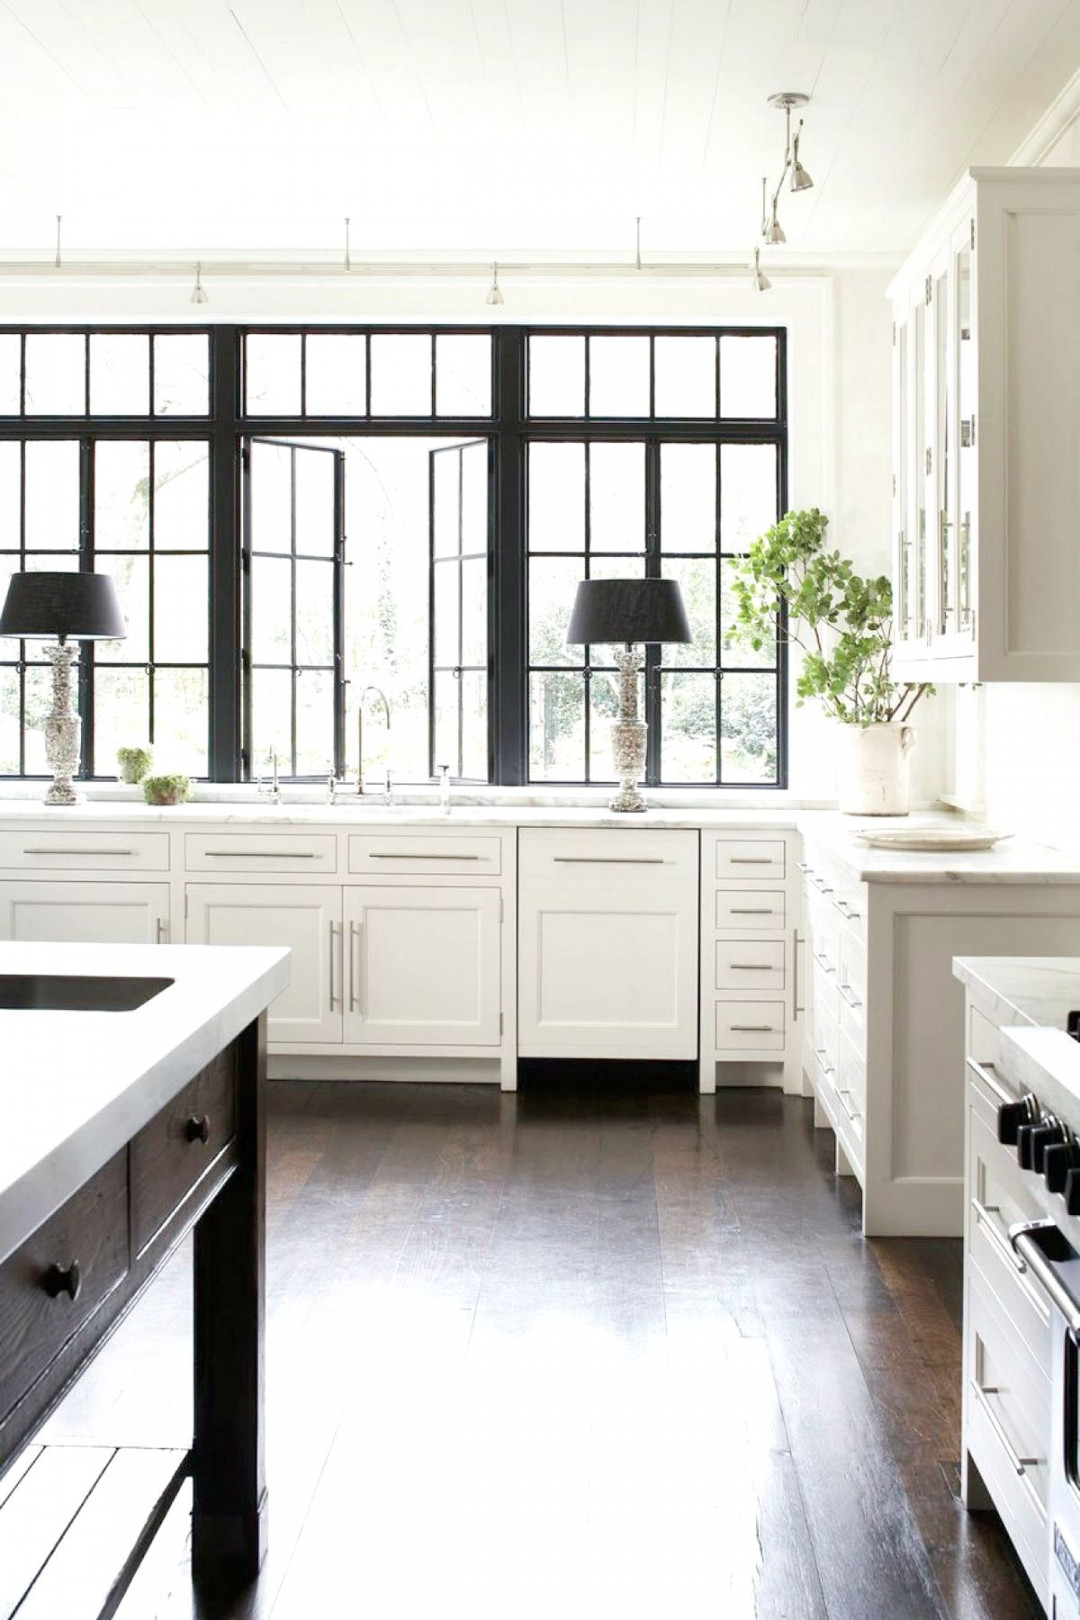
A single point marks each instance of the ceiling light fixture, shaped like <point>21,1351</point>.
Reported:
<point>772,232</point>
<point>495,291</point>
<point>198,292</point>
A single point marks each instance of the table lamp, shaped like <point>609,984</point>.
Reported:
<point>73,608</point>
<point>628,612</point>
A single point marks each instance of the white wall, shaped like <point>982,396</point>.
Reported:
<point>839,361</point>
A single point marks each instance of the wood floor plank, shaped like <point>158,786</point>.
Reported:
<point>37,1514</point>
<point>595,1350</point>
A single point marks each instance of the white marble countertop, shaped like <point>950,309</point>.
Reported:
<point>78,1085</point>
<point>1031,996</point>
<point>1013,861</point>
<point>1028,990</point>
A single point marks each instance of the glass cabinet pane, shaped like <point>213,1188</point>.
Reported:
<point>943,455</point>
<point>921,475</point>
<point>967,470</point>
<point>904,607</point>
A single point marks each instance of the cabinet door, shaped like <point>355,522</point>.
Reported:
<point>422,966</point>
<point>307,919</point>
<point>85,913</point>
<point>609,967</point>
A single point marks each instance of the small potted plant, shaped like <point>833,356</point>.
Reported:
<point>843,625</point>
<point>174,789</point>
<point>134,764</point>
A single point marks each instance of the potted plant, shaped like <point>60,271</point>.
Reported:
<point>843,625</point>
<point>134,764</point>
<point>172,789</point>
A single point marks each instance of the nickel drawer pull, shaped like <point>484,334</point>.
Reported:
<point>751,860</point>
<point>754,1029</point>
<point>334,930</point>
<point>1020,1464</point>
<point>852,1113</point>
<point>262,854</point>
<point>751,967</point>
<point>161,930</point>
<point>801,866</point>
<point>752,911</point>
<point>985,1072</point>
<point>56,849</point>
<point>352,966</point>
<point>823,962</point>
<point>984,1214</point>
<point>845,991</point>
<point>417,855</point>
<point>609,860</point>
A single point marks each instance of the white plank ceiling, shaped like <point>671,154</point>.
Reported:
<point>504,127</point>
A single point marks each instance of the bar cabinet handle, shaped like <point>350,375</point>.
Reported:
<point>261,854</point>
<point>56,849</point>
<point>1020,1464</point>
<point>751,860</point>
<point>416,855</point>
<point>751,967</point>
<point>754,1029</point>
<point>609,860</point>
<point>752,911</point>
<point>161,930</point>
<point>334,1000</point>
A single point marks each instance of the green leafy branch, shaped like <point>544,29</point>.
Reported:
<point>841,621</point>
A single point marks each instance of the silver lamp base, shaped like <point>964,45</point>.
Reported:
<point>629,734</point>
<point>63,726</point>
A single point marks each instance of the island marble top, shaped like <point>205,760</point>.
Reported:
<point>78,1085</point>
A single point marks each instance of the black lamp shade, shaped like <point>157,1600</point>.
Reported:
<point>55,606</point>
<point>628,610</point>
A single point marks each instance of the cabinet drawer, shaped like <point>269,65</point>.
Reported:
<point>90,1233</point>
<point>402,854</point>
<point>749,858</point>
<point>1009,1423</point>
<point>996,1203</point>
<point>170,1154</point>
<point>851,988</point>
<point>750,908</point>
<point>750,1026</point>
<point>607,857</point>
<point>62,850</point>
<point>749,964</point>
<point>850,1075</point>
<point>260,852</point>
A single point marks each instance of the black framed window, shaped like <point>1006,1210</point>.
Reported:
<point>291,514</point>
<point>659,454</point>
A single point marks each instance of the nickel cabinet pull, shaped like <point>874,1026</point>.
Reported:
<point>752,911</point>
<point>982,1394</point>
<point>161,929</point>
<point>354,939</point>
<point>609,860</point>
<point>754,1029</point>
<point>335,1001</point>
<point>751,967</point>
<point>262,854</point>
<point>751,860</point>
<point>416,855</point>
<point>55,849</point>
<point>985,1072</point>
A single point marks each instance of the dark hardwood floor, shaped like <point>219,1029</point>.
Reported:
<point>588,1352</point>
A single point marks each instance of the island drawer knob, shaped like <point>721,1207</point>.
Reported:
<point>197,1128</point>
<point>63,1280</point>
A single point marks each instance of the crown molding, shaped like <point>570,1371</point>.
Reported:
<point>1061,114</point>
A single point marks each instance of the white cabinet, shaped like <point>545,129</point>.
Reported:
<point>608,950</point>
<point>986,417</point>
<point>306,918</point>
<point>423,966</point>
<point>85,913</point>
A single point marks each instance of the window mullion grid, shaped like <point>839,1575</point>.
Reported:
<point>586,677</point>
<point>87,548</point>
<point>293,662</point>
<point>719,717</point>
<point>653,520</point>
<point>460,570</point>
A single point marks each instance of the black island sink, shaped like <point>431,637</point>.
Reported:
<point>67,992</point>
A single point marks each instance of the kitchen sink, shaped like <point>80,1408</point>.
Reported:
<point>67,992</point>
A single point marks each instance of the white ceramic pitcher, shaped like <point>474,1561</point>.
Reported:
<point>873,769</point>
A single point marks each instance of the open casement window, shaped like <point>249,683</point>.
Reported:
<point>293,556</point>
<point>458,489</point>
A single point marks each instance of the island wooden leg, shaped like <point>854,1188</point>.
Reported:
<point>228,1465</point>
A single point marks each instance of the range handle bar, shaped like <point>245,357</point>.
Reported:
<point>1029,1239</point>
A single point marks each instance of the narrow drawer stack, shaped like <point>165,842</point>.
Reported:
<point>1007,1341</point>
<point>748,1002</point>
<point>834,1052</point>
